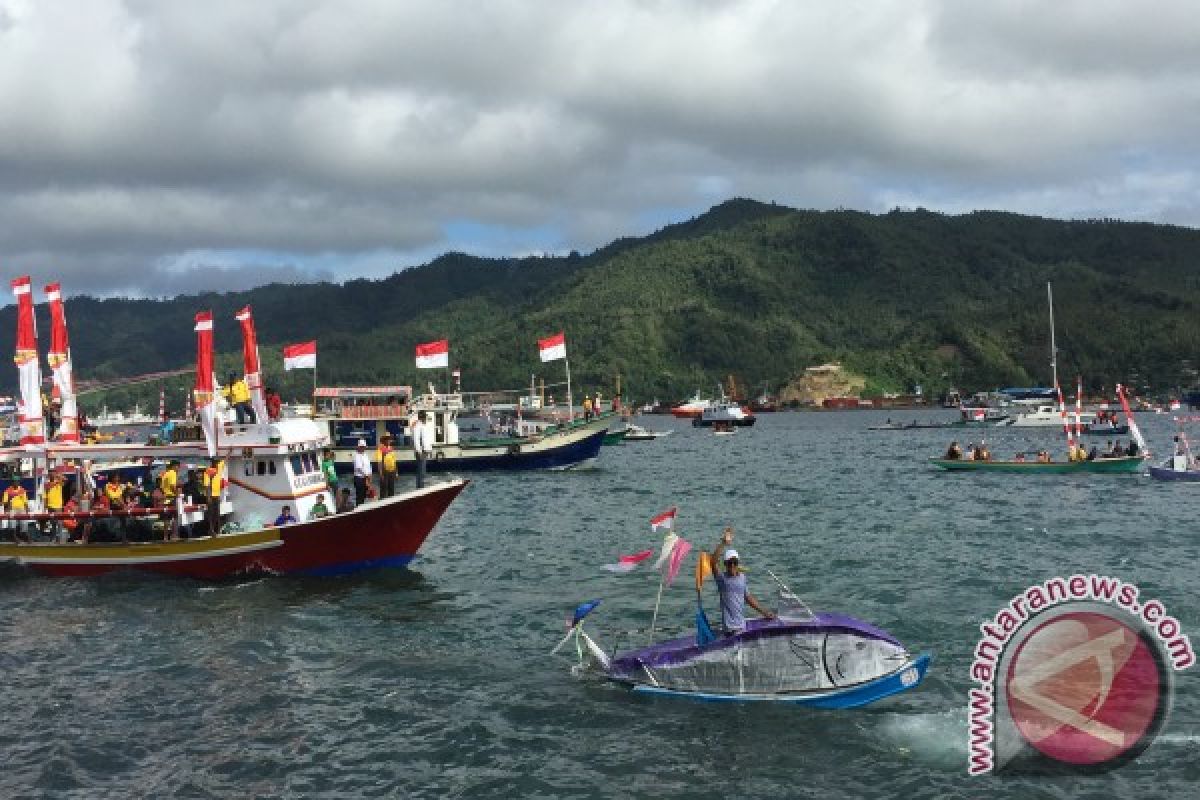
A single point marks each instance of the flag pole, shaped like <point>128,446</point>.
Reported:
<point>571,411</point>
<point>662,579</point>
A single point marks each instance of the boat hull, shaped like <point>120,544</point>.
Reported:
<point>908,676</point>
<point>1125,465</point>
<point>567,450</point>
<point>387,533</point>
<point>738,422</point>
<point>1178,476</point>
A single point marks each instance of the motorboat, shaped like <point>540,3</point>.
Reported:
<point>691,408</point>
<point>1047,416</point>
<point>636,433</point>
<point>724,412</point>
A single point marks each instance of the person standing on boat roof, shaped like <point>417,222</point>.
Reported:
<point>362,472</point>
<point>732,585</point>
<point>239,398</point>
<point>422,436</point>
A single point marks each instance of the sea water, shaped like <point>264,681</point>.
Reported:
<point>436,681</point>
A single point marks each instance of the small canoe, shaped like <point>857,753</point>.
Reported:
<point>1123,465</point>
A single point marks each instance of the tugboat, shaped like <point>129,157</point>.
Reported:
<point>725,412</point>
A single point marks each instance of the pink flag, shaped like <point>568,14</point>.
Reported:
<point>681,549</point>
<point>628,563</point>
<point>665,520</point>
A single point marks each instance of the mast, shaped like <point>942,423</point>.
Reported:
<point>1053,348</point>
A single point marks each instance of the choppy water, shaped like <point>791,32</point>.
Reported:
<point>436,682</point>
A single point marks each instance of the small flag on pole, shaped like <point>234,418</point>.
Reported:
<point>300,356</point>
<point>628,563</point>
<point>433,355</point>
<point>665,520</point>
<point>678,552</point>
<point>553,348</point>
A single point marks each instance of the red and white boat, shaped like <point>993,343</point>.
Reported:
<point>269,466</point>
<point>693,408</point>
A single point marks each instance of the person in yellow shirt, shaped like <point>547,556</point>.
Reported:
<point>114,491</point>
<point>169,483</point>
<point>387,468</point>
<point>214,481</point>
<point>239,398</point>
<point>54,498</point>
<point>16,501</point>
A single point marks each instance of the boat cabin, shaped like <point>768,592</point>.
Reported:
<point>363,412</point>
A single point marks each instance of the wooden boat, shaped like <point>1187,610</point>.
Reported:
<point>368,413</point>
<point>268,466</point>
<point>1122,465</point>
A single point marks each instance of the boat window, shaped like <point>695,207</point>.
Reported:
<point>308,462</point>
<point>297,466</point>
<point>262,468</point>
<point>271,466</point>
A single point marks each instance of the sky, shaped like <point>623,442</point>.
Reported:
<point>159,147</point>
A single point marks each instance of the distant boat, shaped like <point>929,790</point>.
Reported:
<point>117,419</point>
<point>764,402</point>
<point>636,433</point>
<point>1177,468</point>
<point>724,412</point>
<point>691,408</point>
<point>1122,465</point>
<point>1046,417</point>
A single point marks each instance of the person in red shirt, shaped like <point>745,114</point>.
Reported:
<point>274,404</point>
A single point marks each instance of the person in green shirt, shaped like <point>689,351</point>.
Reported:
<point>319,508</point>
<point>330,469</point>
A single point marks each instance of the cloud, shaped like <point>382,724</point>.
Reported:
<point>309,139</point>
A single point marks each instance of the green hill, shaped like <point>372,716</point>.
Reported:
<point>759,291</point>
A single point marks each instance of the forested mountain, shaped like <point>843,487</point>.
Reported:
<point>759,291</point>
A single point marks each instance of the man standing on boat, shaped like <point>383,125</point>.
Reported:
<point>214,482</point>
<point>362,472</point>
<point>422,442</point>
<point>239,398</point>
<point>732,585</point>
<point>387,467</point>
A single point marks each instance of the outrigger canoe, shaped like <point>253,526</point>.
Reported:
<point>1123,465</point>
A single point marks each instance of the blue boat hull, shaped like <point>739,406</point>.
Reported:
<point>1168,474</point>
<point>907,677</point>
<point>565,456</point>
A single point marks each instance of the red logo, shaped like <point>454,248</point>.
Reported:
<point>1084,688</point>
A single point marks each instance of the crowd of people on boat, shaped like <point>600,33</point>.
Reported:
<point>1075,452</point>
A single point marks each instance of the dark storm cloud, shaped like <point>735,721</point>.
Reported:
<point>306,139</point>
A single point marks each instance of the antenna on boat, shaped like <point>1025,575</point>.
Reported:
<point>788,594</point>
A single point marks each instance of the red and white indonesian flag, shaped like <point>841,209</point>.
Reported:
<point>432,355</point>
<point>628,563</point>
<point>552,348</point>
<point>29,376</point>
<point>59,359</point>
<point>250,365</point>
<point>300,356</point>
<point>204,393</point>
<point>665,520</point>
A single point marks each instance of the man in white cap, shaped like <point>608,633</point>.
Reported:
<point>732,586</point>
<point>362,472</point>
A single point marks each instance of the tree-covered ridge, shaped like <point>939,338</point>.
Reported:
<point>758,291</point>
